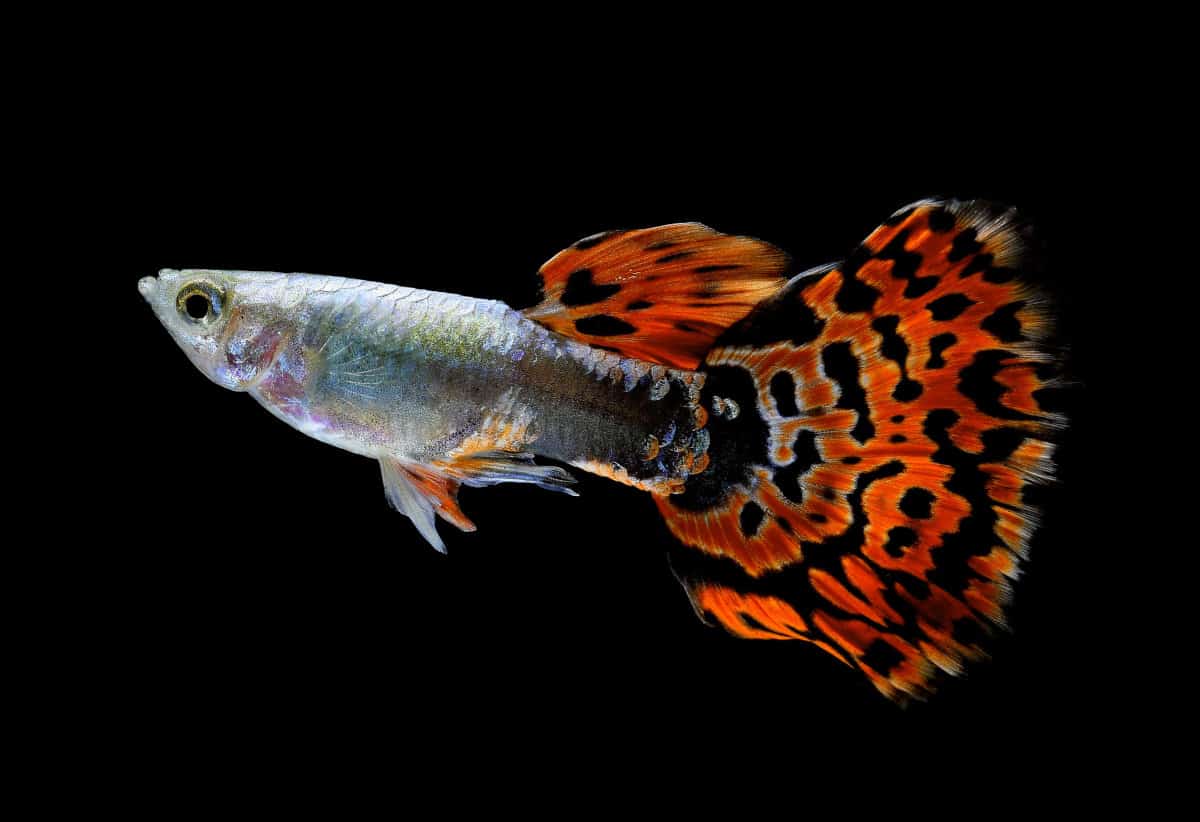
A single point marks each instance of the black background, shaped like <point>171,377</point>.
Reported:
<point>251,580</point>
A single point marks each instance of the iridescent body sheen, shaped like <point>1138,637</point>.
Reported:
<point>433,379</point>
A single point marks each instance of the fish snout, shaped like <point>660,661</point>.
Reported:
<point>147,286</point>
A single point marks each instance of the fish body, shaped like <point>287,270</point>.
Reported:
<point>386,371</point>
<point>768,415</point>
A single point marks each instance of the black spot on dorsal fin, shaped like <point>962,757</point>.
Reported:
<point>582,290</point>
<point>603,325</point>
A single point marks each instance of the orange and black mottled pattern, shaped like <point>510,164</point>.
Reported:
<point>873,429</point>
<point>661,294</point>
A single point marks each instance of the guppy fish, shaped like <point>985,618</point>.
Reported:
<point>841,454</point>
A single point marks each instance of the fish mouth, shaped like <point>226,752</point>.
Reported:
<point>147,286</point>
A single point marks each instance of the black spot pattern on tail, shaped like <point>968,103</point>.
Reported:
<point>784,319</point>
<point>842,367</point>
<point>899,538</point>
<point>917,503</point>
<point>979,263</point>
<point>941,220</point>
<point>964,246</point>
<point>1003,323</point>
<point>881,657</point>
<point>783,391</point>
<point>905,265</point>
<point>978,383</point>
<point>895,348</point>
<point>975,534</point>
<point>855,296</point>
<point>937,346</point>
<point>751,517</point>
<point>949,306</point>
<point>893,418</point>
<point>787,479</point>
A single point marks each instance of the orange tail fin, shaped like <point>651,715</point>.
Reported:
<point>873,428</point>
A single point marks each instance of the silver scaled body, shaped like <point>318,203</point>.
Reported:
<point>427,377</point>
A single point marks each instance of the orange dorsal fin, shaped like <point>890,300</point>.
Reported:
<point>661,294</point>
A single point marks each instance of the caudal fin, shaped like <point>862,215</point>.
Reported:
<point>874,427</point>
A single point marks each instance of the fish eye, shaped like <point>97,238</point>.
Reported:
<point>200,302</point>
<point>197,306</point>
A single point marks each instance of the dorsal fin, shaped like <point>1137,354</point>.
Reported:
<point>661,294</point>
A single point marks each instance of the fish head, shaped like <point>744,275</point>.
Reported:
<point>232,338</point>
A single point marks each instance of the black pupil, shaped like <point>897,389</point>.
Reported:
<point>196,306</point>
